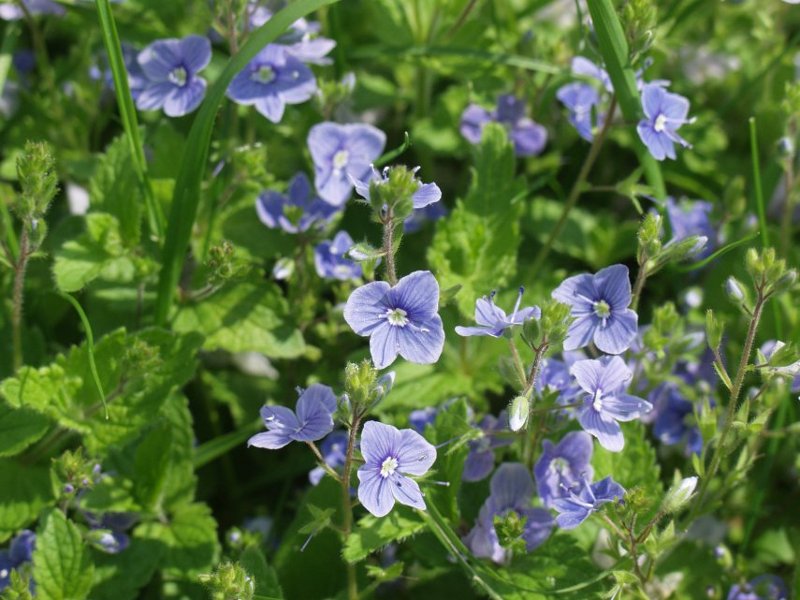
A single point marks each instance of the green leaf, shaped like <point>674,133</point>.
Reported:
<point>151,465</point>
<point>476,246</point>
<point>188,538</point>
<point>193,164</point>
<point>97,252</point>
<point>373,533</point>
<point>62,567</point>
<point>19,428</point>
<point>138,372</point>
<point>114,189</point>
<point>614,49</point>
<point>24,492</point>
<point>121,576</point>
<point>265,577</point>
<point>243,317</point>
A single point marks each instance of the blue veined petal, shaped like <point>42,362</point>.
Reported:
<point>415,455</point>
<point>366,307</point>
<point>184,100</point>
<point>421,342</point>
<point>607,431</point>
<point>406,491</point>
<point>511,486</point>
<point>383,344</point>
<point>418,294</point>
<point>614,286</point>
<point>374,491</point>
<point>625,407</point>
<point>618,333</point>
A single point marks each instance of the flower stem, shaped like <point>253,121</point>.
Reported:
<point>388,247</point>
<point>577,187</point>
<point>530,440</point>
<point>18,296</point>
<point>517,360</point>
<point>733,401</point>
<point>347,508</point>
<point>638,285</point>
<point>322,462</point>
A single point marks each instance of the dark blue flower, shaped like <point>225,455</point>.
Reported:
<point>674,422</point>
<point>562,467</point>
<point>600,306</point>
<point>604,382</point>
<point>480,460</point>
<point>582,102</point>
<point>302,40</point>
<point>692,217</point>
<point>575,507</point>
<point>108,532</point>
<point>529,138</point>
<point>493,320</point>
<point>763,587</point>
<point>296,211</point>
<point>171,67</point>
<point>390,455</point>
<point>401,320</point>
<point>20,552</point>
<point>330,261</point>
<point>511,491</point>
<point>273,79</point>
<point>664,114</point>
<point>333,449</point>
<point>342,154</point>
<point>312,421</point>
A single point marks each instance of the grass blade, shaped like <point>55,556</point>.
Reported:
<point>615,52</point>
<point>127,111</point>
<point>186,196</point>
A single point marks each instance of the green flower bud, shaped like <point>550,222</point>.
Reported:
<point>714,329</point>
<point>229,582</point>
<point>735,291</point>
<point>37,179</point>
<point>678,495</point>
<point>649,236</point>
<point>518,413</point>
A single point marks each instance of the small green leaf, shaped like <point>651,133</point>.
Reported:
<point>151,465</point>
<point>265,577</point>
<point>19,428</point>
<point>373,533</point>
<point>62,567</point>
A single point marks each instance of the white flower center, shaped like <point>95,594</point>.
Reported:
<point>178,76</point>
<point>264,74</point>
<point>397,317</point>
<point>388,467</point>
<point>559,465</point>
<point>597,401</point>
<point>340,159</point>
<point>661,122</point>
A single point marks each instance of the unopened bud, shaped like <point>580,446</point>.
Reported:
<point>283,269</point>
<point>518,413</point>
<point>678,495</point>
<point>734,290</point>
<point>714,329</point>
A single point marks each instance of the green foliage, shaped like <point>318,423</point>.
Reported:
<point>121,576</point>
<point>62,567</point>
<point>476,246</point>
<point>265,577</point>
<point>19,428</point>
<point>244,317</point>
<point>371,533</point>
<point>24,491</point>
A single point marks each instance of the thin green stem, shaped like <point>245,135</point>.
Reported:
<point>347,507</point>
<point>325,466</point>
<point>577,188</point>
<point>18,296</point>
<point>530,440</point>
<point>517,360</point>
<point>788,210</point>
<point>388,247</point>
<point>638,285</point>
<point>736,389</point>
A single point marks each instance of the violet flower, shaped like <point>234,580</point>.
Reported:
<point>493,320</point>
<point>562,467</point>
<point>333,450</point>
<point>330,261</point>
<point>529,138</point>
<point>480,460</point>
<point>296,211</point>
<point>312,421</point>
<point>11,11</point>
<point>576,507</point>
<point>664,114</point>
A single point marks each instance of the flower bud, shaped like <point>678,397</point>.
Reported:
<point>714,329</point>
<point>735,290</point>
<point>678,495</point>
<point>785,282</point>
<point>518,413</point>
<point>283,269</point>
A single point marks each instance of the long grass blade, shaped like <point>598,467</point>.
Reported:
<point>127,113</point>
<point>186,196</point>
<point>615,52</point>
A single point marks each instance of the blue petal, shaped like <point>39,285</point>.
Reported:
<point>618,333</point>
<point>478,465</point>
<point>614,286</point>
<point>374,492</point>
<point>406,491</point>
<point>420,342</point>
<point>414,454</point>
<point>607,431</point>
<point>185,99</point>
<point>511,486</point>
<point>366,307</point>
<point>271,440</point>
<point>418,294</point>
<point>384,345</point>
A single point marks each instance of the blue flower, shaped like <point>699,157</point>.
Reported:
<point>600,306</point>
<point>674,420</point>
<point>296,211</point>
<point>511,491</point>
<point>480,460</point>
<point>330,262</point>
<point>136,77</point>
<point>389,455</point>
<point>493,320</point>
<point>604,382</point>
<point>417,219</point>
<point>664,113</point>
<point>581,100</point>
<point>554,377</point>
<point>171,67</point>
<point>11,11</point>
<point>576,507</point>
<point>422,417</point>
<point>561,468</point>
<point>529,138</point>
<point>313,420</point>
<point>273,79</point>
<point>111,530</point>
<point>692,217</point>
<point>763,587</point>
<point>301,41</point>
<point>399,320</point>
<point>426,194</point>
<point>19,552</point>
<point>341,154</point>
<point>333,449</point>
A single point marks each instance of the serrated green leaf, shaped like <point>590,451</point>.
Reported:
<point>373,533</point>
<point>188,537</point>
<point>97,252</point>
<point>62,567</point>
<point>265,577</point>
<point>19,428</point>
<point>121,576</point>
<point>476,246</point>
<point>114,189</point>
<point>244,317</point>
<point>151,465</point>
<point>24,492</point>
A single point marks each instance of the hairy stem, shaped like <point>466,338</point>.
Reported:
<point>18,296</point>
<point>347,507</point>
<point>577,187</point>
<point>322,462</point>
<point>388,247</point>
<point>530,440</point>
<point>638,285</point>
<point>733,401</point>
<point>517,360</point>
